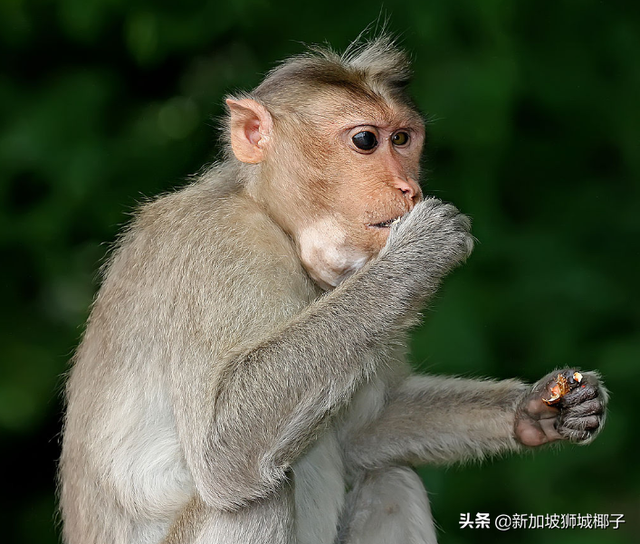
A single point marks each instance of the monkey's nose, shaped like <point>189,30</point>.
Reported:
<point>409,188</point>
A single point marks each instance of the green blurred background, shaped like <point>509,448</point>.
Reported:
<point>536,135</point>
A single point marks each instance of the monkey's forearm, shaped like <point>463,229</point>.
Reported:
<point>270,401</point>
<point>431,419</point>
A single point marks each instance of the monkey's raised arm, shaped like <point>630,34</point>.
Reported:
<point>244,414</point>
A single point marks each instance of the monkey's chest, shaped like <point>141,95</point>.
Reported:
<point>320,476</point>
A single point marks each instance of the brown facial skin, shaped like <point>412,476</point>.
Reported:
<point>341,219</point>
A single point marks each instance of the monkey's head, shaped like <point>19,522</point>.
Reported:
<point>332,146</point>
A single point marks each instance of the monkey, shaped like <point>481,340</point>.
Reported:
<point>244,376</point>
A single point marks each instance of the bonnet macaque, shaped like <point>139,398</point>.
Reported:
<point>242,378</point>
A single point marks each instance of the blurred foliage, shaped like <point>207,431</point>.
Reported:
<point>536,136</point>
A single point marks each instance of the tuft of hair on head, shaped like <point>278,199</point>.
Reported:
<point>379,60</point>
<point>375,66</point>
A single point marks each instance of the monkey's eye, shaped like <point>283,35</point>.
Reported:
<point>365,140</point>
<point>400,138</point>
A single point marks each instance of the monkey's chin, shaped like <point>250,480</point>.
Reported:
<point>329,279</point>
<point>327,255</point>
<point>329,267</point>
<point>377,237</point>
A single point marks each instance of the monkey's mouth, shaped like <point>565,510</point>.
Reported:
<point>384,224</point>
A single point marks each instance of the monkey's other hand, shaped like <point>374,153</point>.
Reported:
<point>434,237</point>
<point>576,415</point>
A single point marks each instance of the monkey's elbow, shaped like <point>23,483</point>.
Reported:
<point>232,484</point>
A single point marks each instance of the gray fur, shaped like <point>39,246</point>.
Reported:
<point>219,396</point>
<point>388,505</point>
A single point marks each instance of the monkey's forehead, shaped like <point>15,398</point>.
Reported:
<point>367,110</point>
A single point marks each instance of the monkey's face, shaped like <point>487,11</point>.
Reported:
<point>335,175</point>
<point>367,180</point>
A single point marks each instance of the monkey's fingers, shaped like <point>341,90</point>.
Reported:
<point>582,411</point>
<point>580,429</point>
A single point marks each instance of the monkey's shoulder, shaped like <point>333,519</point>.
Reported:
<point>211,250</point>
<point>200,224</point>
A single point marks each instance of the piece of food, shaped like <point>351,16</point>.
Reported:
<point>562,386</point>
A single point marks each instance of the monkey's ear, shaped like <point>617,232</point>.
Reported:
<point>251,126</point>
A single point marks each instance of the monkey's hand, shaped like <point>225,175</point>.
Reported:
<point>564,405</point>
<point>428,242</point>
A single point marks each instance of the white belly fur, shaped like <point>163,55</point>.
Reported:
<point>319,491</point>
